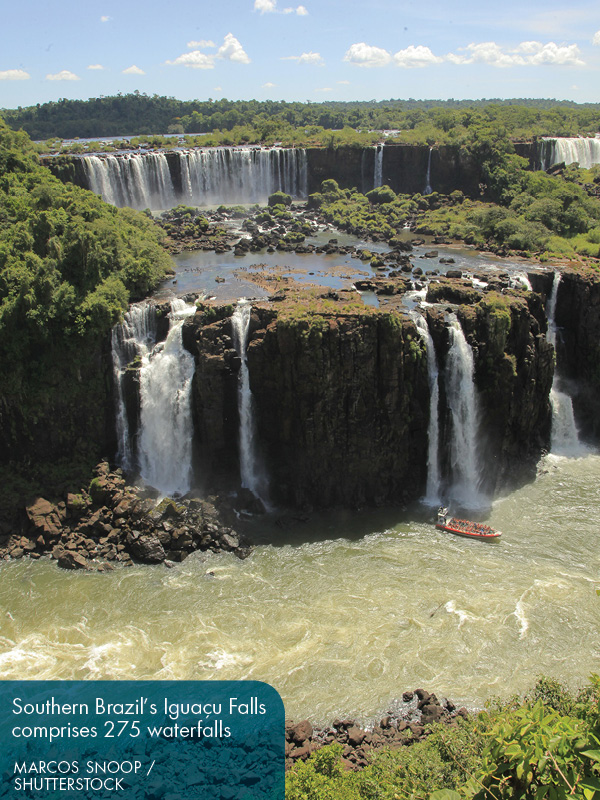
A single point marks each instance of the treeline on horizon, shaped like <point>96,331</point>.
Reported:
<point>138,113</point>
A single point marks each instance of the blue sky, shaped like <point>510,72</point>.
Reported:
<point>313,50</point>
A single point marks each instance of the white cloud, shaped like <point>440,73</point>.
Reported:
<point>596,39</point>
<point>365,55</point>
<point>14,75</point>
<point>418,56</point>
<point>63,75</point>
<point>217,88</point>
<point>525,54</point>
<point>270,7</point>
<point>95,66</point>
<point>202,44</point>
<point>133,70</point>
<point>269,85</point>
<point>232,50</point>
<point>104,19</point>
<point>306,58</point>
<point>195,60</point>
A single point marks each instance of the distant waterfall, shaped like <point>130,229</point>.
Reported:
<point>165,439</point>
<point>428,189</point>
<point>197,177</point>
<point>462,402</point>
<point>584,150</point>
<point>564,439</point>
<point>132,339</point>
<point>378,167</point>
<point>433,490</point>
<point>251,476</point>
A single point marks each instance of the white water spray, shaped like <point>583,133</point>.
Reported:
<point>462,401</point>
<point>564,439</point>
<point>433,489</point>
<point>378,167</point>
<point>428,189</point>
<point>251,476</point>
<point>133,338</point>
<point>165,441</point>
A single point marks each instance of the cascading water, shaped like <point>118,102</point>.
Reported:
<point>583,150</point>
<point>378,167</point>
<point>462,402</point>
<point>428,189</point>
<point>433,490</point>
<point>197,177</point>
<point>564,440</point>
<point>165,438</point>
<point>251,476</point>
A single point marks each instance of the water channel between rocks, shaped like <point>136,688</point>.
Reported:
<point>340,613</point>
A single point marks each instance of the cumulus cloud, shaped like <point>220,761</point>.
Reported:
<point>95,66</point>
<point>195,60</point>
<point>14,75</point>
<point>306,58</point>
<point>265,6</point>
<point>104,19</point>
<point>269,85</point>
<point>596,39</point>
<point>63,75</point>
<point>525,54</point>
<point>343,83</point>
<point>365,55</point>
<point>202,44</point>
<point>418,56</point>
<point>232,50</point>
<point>133,70</point>
<point>270,7</point>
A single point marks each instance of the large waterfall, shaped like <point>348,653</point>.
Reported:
<point>132,339</point>
<point>162,452</point>
<point>583,150</point>
<point>564,437</point>
<point>433,490</point>
<point>462,402</point>
<point>251,475</point>
<point>197,177</point>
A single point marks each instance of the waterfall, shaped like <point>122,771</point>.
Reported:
<point>203,176</point>
<point>433,490</point>
<point>428,189</point>
<point>462,402</point>
<point>564,439</point>
<point>251,476</point>
<point>583,150</point>
<point>378,167</point>
<point>165,439</point>
<point>132,339</point>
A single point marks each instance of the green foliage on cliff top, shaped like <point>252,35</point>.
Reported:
<point>68,261</point>
<point>544,746</point>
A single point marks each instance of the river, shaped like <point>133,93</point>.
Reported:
<point>342,612</point>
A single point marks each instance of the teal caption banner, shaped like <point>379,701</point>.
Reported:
<point>157,740</point>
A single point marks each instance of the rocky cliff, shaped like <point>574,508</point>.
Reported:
<point>341,398</point>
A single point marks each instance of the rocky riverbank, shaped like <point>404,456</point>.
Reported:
<point>397,729</point>
<point>112,523</point>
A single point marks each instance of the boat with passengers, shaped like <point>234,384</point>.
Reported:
<point>465,527</point>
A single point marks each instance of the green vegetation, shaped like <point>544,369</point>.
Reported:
<point>543,746</point>
<point>69,264</point>
<point>251,121</point>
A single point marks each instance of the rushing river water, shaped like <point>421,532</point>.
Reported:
<point>340,613</point>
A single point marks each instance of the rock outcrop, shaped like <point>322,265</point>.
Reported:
<point>112,523</point>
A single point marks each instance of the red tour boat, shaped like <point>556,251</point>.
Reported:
<point>465,527</point>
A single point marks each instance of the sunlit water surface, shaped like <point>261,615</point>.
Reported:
<point>350,612</point>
